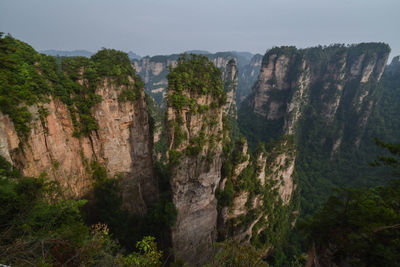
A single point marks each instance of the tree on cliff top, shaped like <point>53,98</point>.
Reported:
<point>194,74</point>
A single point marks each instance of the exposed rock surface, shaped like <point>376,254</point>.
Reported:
<point>281,164</point>
<point>231,79</point>
<point>274,173</point>
<point>327,78</point>
<point>154,70</point>
<point>122,143</point>
<point>295,90</point>
<point>195,176</point>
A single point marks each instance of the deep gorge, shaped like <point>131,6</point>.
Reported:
<point>193,149</point>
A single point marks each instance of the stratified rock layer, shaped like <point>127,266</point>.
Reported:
<point>122,143</point>
<point>197,138</point>
<point>328,78</point>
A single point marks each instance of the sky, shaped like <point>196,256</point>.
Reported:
<point>154,27</point>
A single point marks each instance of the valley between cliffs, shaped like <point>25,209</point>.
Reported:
<point>202,169</point>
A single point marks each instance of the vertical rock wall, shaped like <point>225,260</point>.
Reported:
<point>195,148</point>
<point>122,143</point>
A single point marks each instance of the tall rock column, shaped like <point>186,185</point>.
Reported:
<point>195,107</point>
<point>231,81</point>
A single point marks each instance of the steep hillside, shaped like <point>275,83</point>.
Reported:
<point>220,189</point>
<point>324,97</point>
<point>257,196</point>
<point>87,124</point>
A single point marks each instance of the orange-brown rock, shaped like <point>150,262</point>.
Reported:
<point>122,144</point>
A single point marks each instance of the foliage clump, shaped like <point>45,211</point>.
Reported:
<point>194,74</point>
<point>193,79</point>
<point>361,225</point>
<point>39,227</point>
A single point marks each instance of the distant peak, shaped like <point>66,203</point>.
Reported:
<point>198,52</point>
<point>64,53</point>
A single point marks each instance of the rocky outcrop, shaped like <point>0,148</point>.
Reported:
<point>154,70</point>
<point>281,162</point>
<point>327,78</point>
<point>122,144</point>
<point>313,106</point>
<point>230,79</point>
<point>195,148</point>
<point>254,192</point>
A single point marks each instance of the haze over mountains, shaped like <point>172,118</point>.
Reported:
<point>80,53</point>
<point>233,133</point>
<point>195,149</point>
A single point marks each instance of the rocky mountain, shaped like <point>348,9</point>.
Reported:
<point>394,67</point>
<point>257,196</point>
<point>85,115</point>
<point>154,71</point>
<point>133,56</point>
<point>220,189</point>
<point>323,96</point>
<point>195,148</point>
<point>317,110</point>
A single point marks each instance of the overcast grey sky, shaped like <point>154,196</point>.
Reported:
<point>150,27</point>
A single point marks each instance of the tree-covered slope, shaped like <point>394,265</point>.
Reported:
<point>328,98</point>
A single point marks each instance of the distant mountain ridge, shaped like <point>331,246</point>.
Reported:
<point>80,53</point>
<point>63,53</point>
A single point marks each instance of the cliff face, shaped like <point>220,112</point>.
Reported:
<point>326,78</point>
<point>122,143</point>
<point>256,196</point>
<point>321,97</point>
<point>195,147</point>
<point>231,80</point>
<point>154,70</point>
<point>248,74</point>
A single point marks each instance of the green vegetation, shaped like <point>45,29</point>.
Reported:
<point>257,128</point>
<point>21,84</point>
<point>193,79</point>
<point>319,169</point>
<point>106,208</point>
<point>194,74</point>
<point>39,227</point>
<point>266,233</point>
<point>360,226</point>
<point>231,253</point>
<point>27,78</point>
